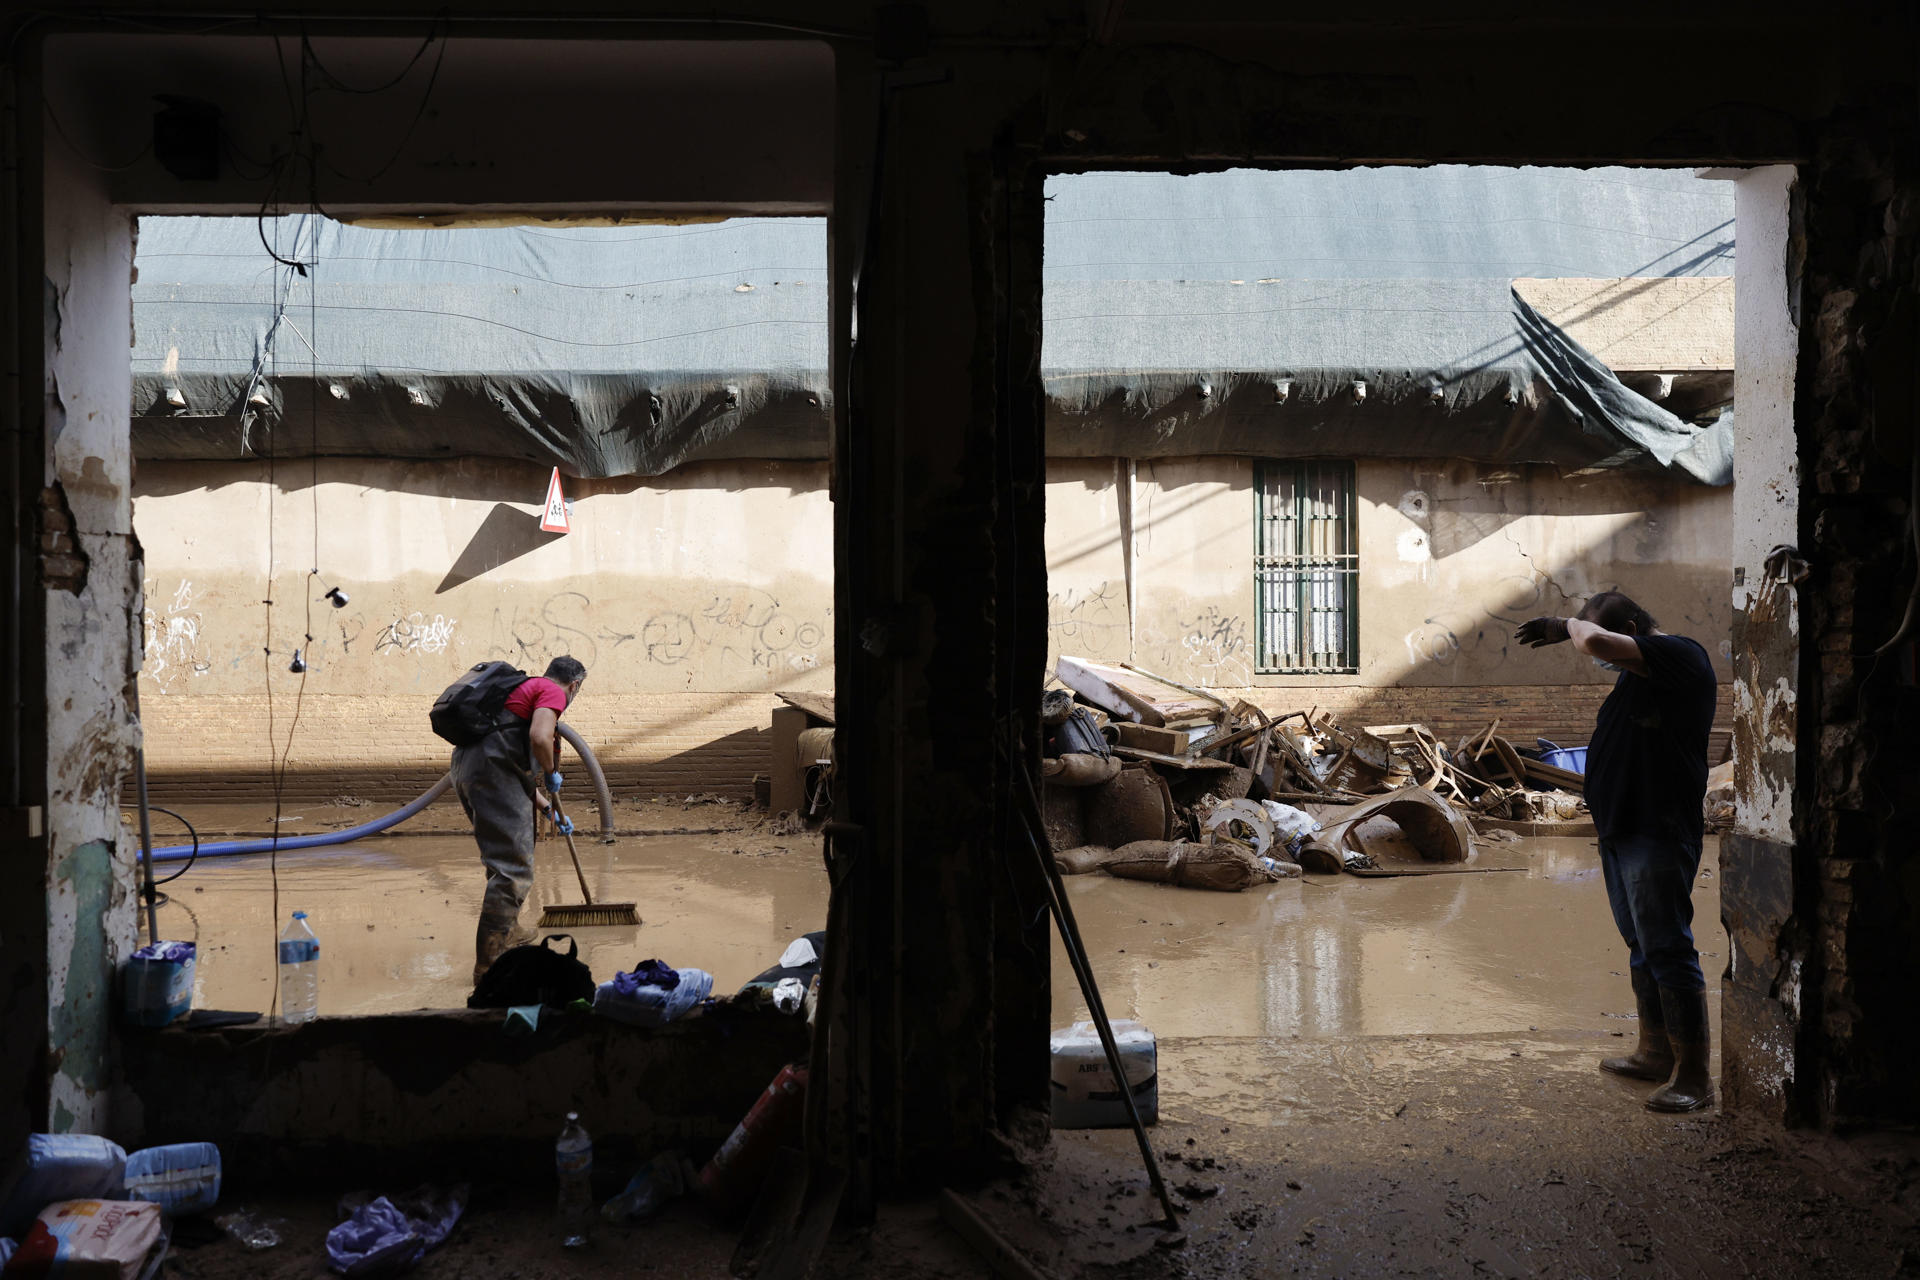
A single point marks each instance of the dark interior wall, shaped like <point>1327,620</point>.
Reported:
<point>940,568</point>
<point>1858,884</point>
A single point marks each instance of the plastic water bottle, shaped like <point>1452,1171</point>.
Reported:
<point>299,971</point>
<point>573,1161</point>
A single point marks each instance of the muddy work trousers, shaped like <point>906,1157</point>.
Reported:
<point>495,787</point>
<point>1650,888</point>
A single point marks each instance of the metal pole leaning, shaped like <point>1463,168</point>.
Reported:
<point>1090,990</point>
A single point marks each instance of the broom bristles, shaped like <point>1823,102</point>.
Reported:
<point>614,913</point>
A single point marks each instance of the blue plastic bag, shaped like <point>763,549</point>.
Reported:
<point>59,1166</point>
<point>384,1238</point>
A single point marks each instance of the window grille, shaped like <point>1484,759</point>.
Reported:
<point>1306,567</point>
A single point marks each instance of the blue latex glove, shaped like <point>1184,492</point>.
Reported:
<point>564,825</point>
<point>553,783</point>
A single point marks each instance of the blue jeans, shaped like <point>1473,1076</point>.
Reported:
<point>1650,888</point>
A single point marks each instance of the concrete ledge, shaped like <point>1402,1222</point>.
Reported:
<point>448,1094</point>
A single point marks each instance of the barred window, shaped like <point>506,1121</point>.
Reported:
<point>1306,567</point>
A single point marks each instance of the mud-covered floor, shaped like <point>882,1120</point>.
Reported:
<point>1357,1077</point>
<point>717,888</point>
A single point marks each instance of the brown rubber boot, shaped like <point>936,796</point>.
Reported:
<point>1652,1058</point>
<point>1691,1088</point>
<point>489,941</point>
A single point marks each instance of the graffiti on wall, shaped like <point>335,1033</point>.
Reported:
<point>175,645</point>
<point>1441,638</point>
<point>1089,620</point>
<point>747,626</point>
<point>1212,649</point>
<point>414,634</point>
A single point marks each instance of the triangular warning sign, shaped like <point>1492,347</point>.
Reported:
<point>554,518</point>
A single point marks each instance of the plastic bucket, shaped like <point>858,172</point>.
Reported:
<point>1573,758</point>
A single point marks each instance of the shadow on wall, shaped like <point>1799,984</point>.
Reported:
<point>506,534</point>
<point>472,479</point>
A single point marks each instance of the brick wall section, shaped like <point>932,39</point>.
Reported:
<point>213,748</point>
<point>216,748</point>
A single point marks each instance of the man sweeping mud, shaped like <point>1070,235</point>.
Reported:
<point>505,727</point>
<point>1646,781</point>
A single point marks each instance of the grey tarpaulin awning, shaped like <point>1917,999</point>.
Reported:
<point>1227,313</point>
<point>605,350</point>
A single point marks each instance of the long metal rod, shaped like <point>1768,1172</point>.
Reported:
<point>1090,990</point>
<point>149,889</point>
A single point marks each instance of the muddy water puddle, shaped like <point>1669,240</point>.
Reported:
<point>396,916</point>
<point>1228,981</point>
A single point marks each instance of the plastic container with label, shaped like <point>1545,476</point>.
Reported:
<point>1085,1095</point>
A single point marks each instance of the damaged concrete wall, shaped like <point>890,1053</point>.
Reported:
<point>91,574</point>
<point>1453,556</point>
<point>1855,806</point>
<point>690,598</point>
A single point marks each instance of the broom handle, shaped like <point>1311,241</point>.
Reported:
<point>571,851</point>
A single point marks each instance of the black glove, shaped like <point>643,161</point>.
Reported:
<point>1542,631</point>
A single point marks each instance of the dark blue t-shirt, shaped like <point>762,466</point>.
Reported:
<point>1647,763</point>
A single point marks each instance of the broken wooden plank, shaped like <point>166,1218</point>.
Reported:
<point>1131,695</point>
<point>1147,737</point>
<point>1172,762</point>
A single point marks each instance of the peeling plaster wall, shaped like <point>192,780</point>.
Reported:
<point>1766,514</point>
<point>1765,964</point>
<point>92,641</point>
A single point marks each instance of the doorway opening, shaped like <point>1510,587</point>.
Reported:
<point>348,437</point>
<point>1319,441</point>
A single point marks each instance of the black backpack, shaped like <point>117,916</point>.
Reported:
<point>470,708</point>
<point>534,974</point>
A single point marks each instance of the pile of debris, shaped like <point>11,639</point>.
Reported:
<point>1148,778</point>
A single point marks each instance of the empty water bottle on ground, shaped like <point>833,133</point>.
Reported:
<point>299,971</point>
<point>573,1160</point>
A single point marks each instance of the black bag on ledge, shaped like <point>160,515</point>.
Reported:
<point>534,974</point>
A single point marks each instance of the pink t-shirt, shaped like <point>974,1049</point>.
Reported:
<point>536,692</point>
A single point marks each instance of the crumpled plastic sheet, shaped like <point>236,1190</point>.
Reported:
<point>383,1237</point>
